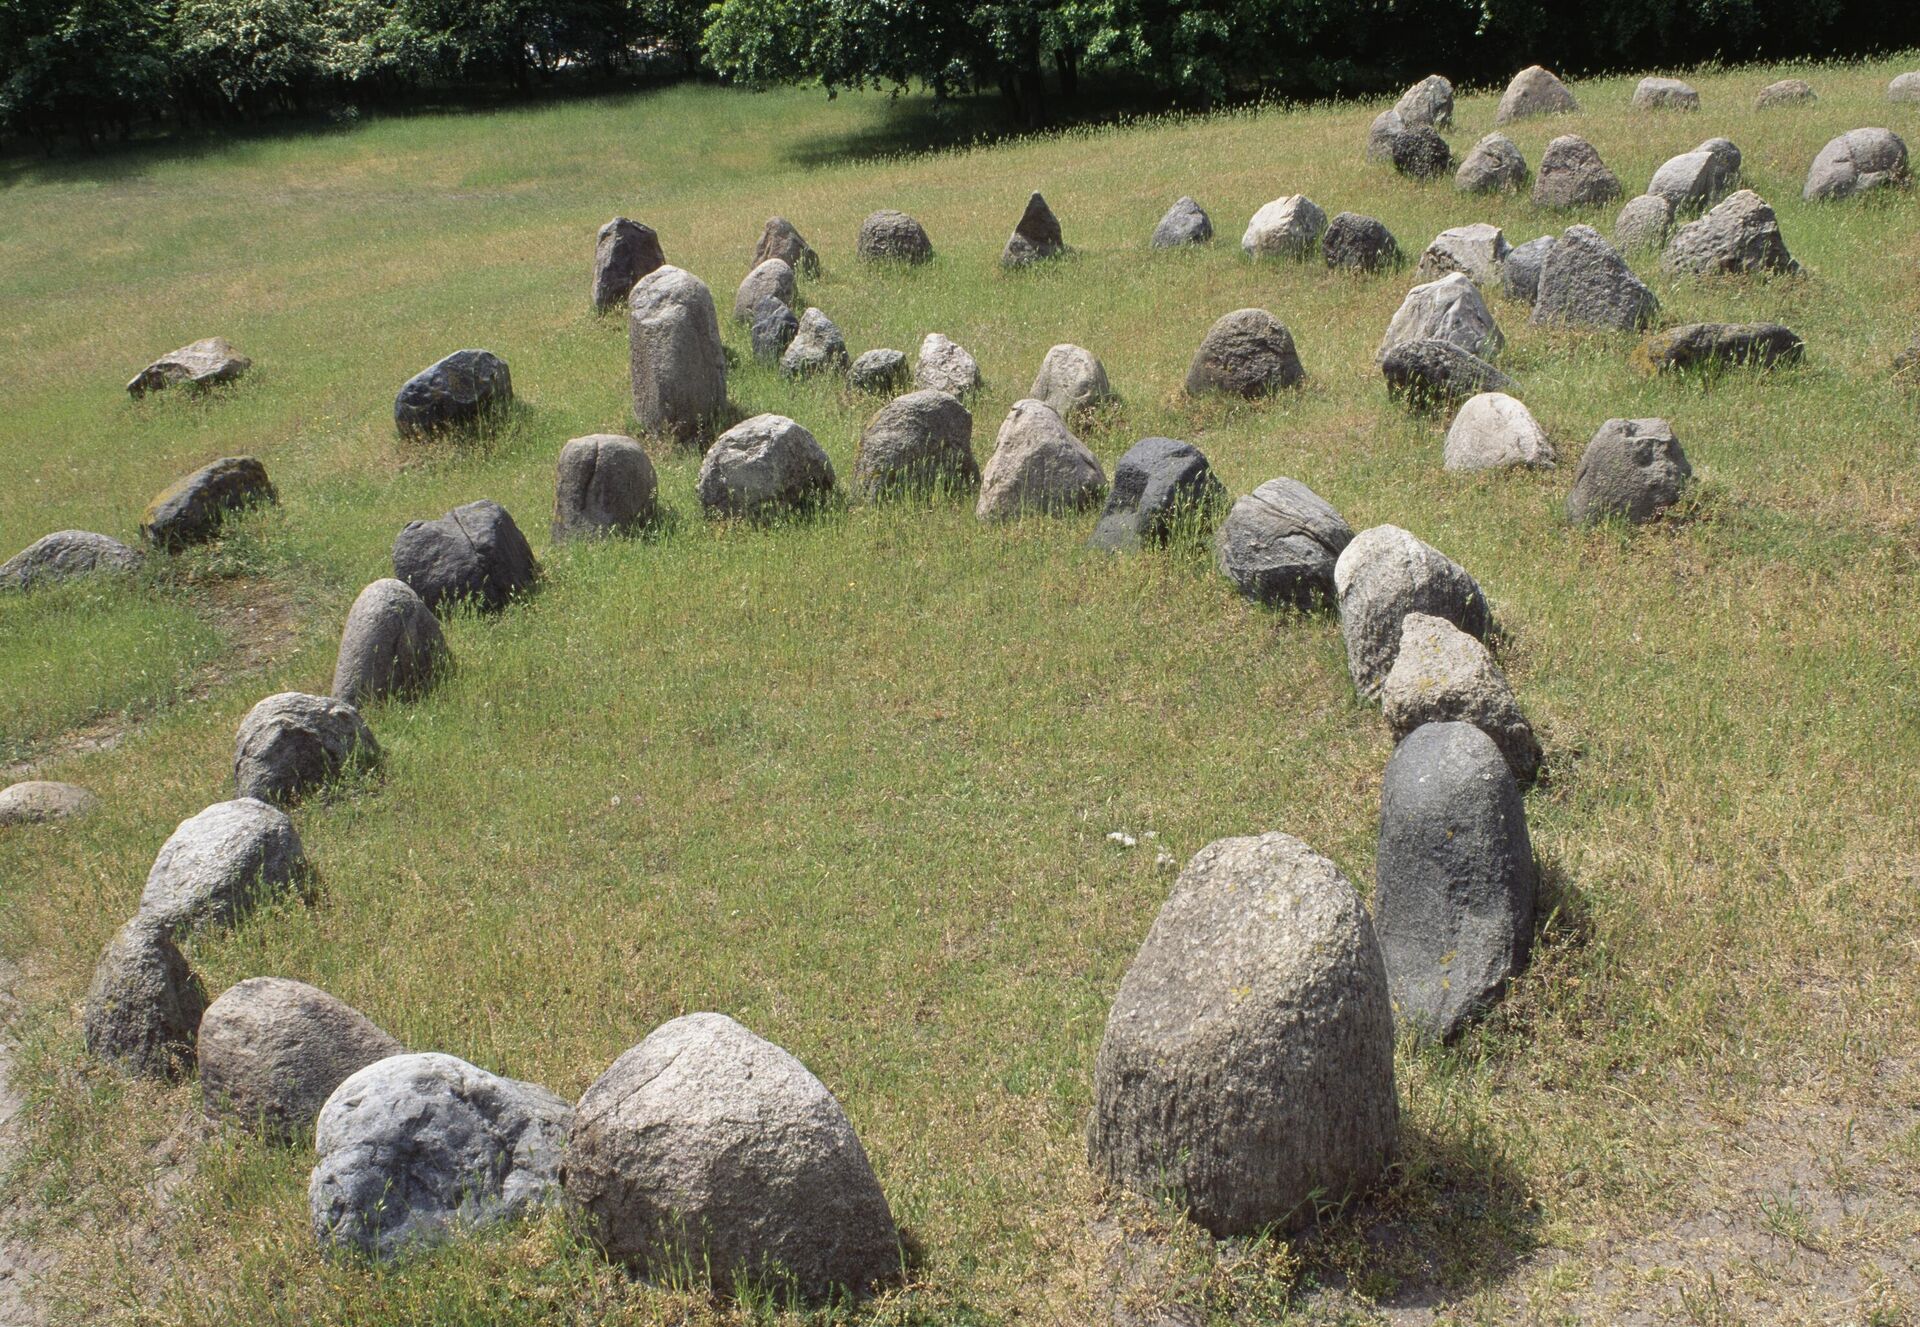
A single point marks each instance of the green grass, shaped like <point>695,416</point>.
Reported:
<point>850,780</point>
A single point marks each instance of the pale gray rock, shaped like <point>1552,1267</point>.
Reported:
<point>67,555</point>
<point>888,236</point>
<point>475,552</point>
<point>678,366</point>
<point>1494,165</point>
<point>37,800</point>
<point>143,1007</point>
<point>1633,470</point>
<point>1493,431</point>
<point>1450,310</point>
<point>1428,102</point>
<point>392,646</point>
<point>1665,94</point>
<point>1740,236</point>
<point>1071,379</point>
<point>1585,283</point>
<point>1386,127</point>
<point>1279,543</point>
<point>1643,223</point>
<point>1186,222</point>
<point>1247,1065</point>
<point>191,510</point>
<point>1572,175</point>
<point>1430,372</point>
<point>1161,487</point>
<point>1904,87</point>
<point>915,443</point>
<point>458,392</point>
<point>1249,353</point>
<point>272,1051</point>
<point>205,363</point>
<point>603,485</point>
<point>878,371</point>
<point>1359,244</point>
<point>1038,466</point>
<point>1534,91</point>
<point>817,347</point>
<point>1858,162</point>
<point>1287,227</point>
<point>764,465</point>
<point>1520,269</point>
<point>1477,250</point>
<point>291,744</point>
<point>1443,675</point>
<point>774,327</point>
<point>1697,179</point>
<point>781,239</point>
<point>772,278</point>
<point>1382,576</point>
<point>1035,237</point>
<point>945,366</point>
<point>1786,92</point>
<point>218,865</point>
<point>623,252</point>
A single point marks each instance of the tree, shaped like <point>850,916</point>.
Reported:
<point>91,65</point>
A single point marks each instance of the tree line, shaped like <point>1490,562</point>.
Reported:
<point>93,69</point>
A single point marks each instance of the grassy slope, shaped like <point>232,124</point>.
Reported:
<point>851,782</point>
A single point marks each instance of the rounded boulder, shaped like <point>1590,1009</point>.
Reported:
<point>272,1051</point>
<point>765,464</point>
<point>291,744</point>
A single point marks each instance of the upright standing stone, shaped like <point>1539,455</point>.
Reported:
<point>272,1051</point>
<point>1584,283</point>
<point>1035,237</point>
<point>1493,431</point>
<point>191,510</point>
<point>1534,91</point>
<point>1494,166</point>
<point>1572,175</point>
<point>945,366</point>
<point>1738,237</point>
<point>1633,469</point>
<point>1520,269</point>
<point>1382,576</point>
<point>218,865</point>
<point>65,555</point>
<point>888,236</point>
<point>1160,487</point>
<point>458,392</point>
<point>1857,162</point>
<point>1359,244</point>
<point>1449,309</point>
<point>1071,379</point>
<point>1665,94</point>
<point>679,366</point>
<point>474,552</point>
<point>623,252</point>
<point>1443,675</point>
<point>205,363</point>
<point>1287,227</point>
<point>1037,466</point>
<point>779,238</point>
<point>603,484</point>
<point>1477,250</point>
<point>916,443</point>
<point>762,466</point>
<point>1279,543</point>
<point>1428,102</point>
<point>392,645</point>
<point>1643,223</point>
<point>292,744</point>
<point>1247,353</point>
<point>144,1005</point>
<point>771,279</point>
<point>1186,222</point>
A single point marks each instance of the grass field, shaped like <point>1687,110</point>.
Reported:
<point>851,780</point>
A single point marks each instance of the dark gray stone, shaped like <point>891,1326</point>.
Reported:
<point>1584,283</point>
<point>1159,486</point>
<point>1381,577</point>
<point>764,465</point>
<point>916,443</point>
<point>1443,675</point>
<point>781,239</point>
<point>1520,269</point>
<point>1420,153</point>
<point>1186,222</point>
<point>218,865</point>
<point>292,744</point>
<point>191,510</point>
<point>1738,237</point>
<point>475,552</point>
<point>1572,175</point>
<point>774,327</point>
<point>1633,470</point>
<point>392,646</point>
<point>677,364</point>
<point>1700,344</point>
<point>1387,126</point>
<point>65,555</point>
<point>1036,237</point>
<point>890,236</point>
<point>1279,543</point>
<point>205,363</point>
<point>878,371</point>
<point>144,1005</point>
<point>623,252</point>
<point>272,1051</point>
<point>1430,372</point>
<point>458,392</point>
<point>1360,244</point>
<point>603,485</point>
<point>1858,162</point>
<point>1494,166</point>
<point>1247,353</point>
<point>817,347</point>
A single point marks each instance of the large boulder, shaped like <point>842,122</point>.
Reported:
<point>65,555</point>
<point>773,330</point>
<point>190,510</point>
<point>1493,431</point>
<point>1664,94</point>
<point>1858,162</point>
<point>764,465</point>
<point>1493,166</point>
<point>915,443</point>
<point>770,279</point>
<point>889,236</point>
<point>272,1051</point>
<point>1643,223</point>
<point>1430,372</point>
<point>1520,269</point>
<point>1785,92</point>
<point>1534,91</point>
<point>1386,127</point>
<point>678,366</point>
<point>880,370</point>
<point>413,1149</point>
<point>1186,222</point>
<point>1247,353</point>
<point>218,865</point>
<point>623,252</point>
<point>143,1007</point>
<point>1035,237</point>
<point>817,347</point>
<point>1037,466</point>
<point>1279,543</point>
<point>1382,576</point>
<point>1287,227</point>
<point>292,744</point>
<point>603,485</point>
<point>945,366</point>
<point>1585,283</point>
<point>1247,1065</point>
<point>1699,178</point>
<point>392,645</point>
<point>1632,470</point>
<point>1443,675</point>
<point>1698,345</point>
<point>1071,379</point>
<point>1454,878</point>
<point>38,800</point>
<point>1359,244</point>
<point>1160,488</point>
<point>781,239</point>
<point>475,552</point>
<point>1428,102</point>
<point>1904,87</point>
<point>1572,175</point>
<point>1476,250</point>
<point>457,392</point>
<point>1449,309</point>
<point>1740,236</point>
<point>1420,153</point>
<point>706,1147</point>
<point>204,363</point>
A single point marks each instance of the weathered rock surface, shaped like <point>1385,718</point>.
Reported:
<point>392,645</point>
<point>1071,378</point>
<point>1633,469</point>
<point>1038,466</point>
<point>1697,179</point>
<point>623,252</point>
<point>38,800</point>
<point>1857,162</point>
<point>1247,1064</point>
<point>774,327</point>
<point>1665,94</point>
<point>945,366</point>
<point>218,865</point>
<point>1572,175</point>
<point>878,371</point>
<point>916,442</point>
<point>708,1147</point>
<point>1697,345</point>
<point>1431,372</point>
<point>272,1051</point>
<point>678,367</point>
<point>65,555</point>
<point>1186,222</point>
<point>1443,675</point>
<point>603,485</point>
<point>1520,269</point>
<point>191,510</point>
<point>1387,126</point>
<point>292,744</point>
<point>890,236</point>
<point>764,465</point>
<point>474,552</point>
<point>458,392</point>
<point>1160,487</point>
<point>1740,236</point>
<point>144,1005</point>
<point>1420,153</point>
<point>1279,543</point>
<point>205,363</point>
<point>413,1149</point>
<point>1247,353</point>
<point>1428,102</point>
<point>1494,165</point>
<point>781,239</point>
<point>1477,250</point>
<point>1904,87</point>
<point>1493,431</point>
<point>1035,237</point>
<point>772,278</point>
<point>1786,92</point>
<point>1584,283</point>
<point>1382,576</point>
<point>817,347</point>
<point>1455,879</point>
<point>1449,309</point>
<point>1643,223</point>
<point>1360,244</point>
<point>1534,91</point>
<point>1287,227</point>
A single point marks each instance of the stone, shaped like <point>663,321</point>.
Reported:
<point>1186,222</point>
<point>144,1005</point>
<point>1494,166</point>
<point>1738,237</point>
<point>392,646</point>
<point>679,368</point>
<point>1037,466</point>
<point>291,744</point>
<point>473,553</point>
<point>915,443</point>
<point>945,366</point>
<point>458,392</point>
<point>774,327</point>
<point>1386,127</point>
<point>1036,237</point>
<point>412,1150</point>
<point>1858,162</point>
<point>38,800</point>
<point>761,466</point>
<point>1455,882</point>
<point>1450,310</point>
<point>1382,576</point>
<point>1430,372</point>
<point>817,347</point>
<point>205,363</point>
<point>220,864</point>
<point>1287,227</point>
<point>272,1051</point>
<point>1428,102</point>
<point>1477,250</point>
<point>1247,1064</point>
<point>1643,223</point>
<point>1493,431</point>
<point>1906,364</point>
<point>1359,244</point>
<point>781,239</point>
<point>1633,469</point>
<point>1071,379</point>
<point>191,510</point>
<point>1584,283</point>
<point>1697,179</point>
<point>623,252</point>
<point>1419,153</point>
<point>1520,269</point>
<point>603,485</point>
<point>1443,675</point>
<point>771,278</point>
<point>1786,92</point>
<point>878,371</point>
<point>1279,543</point>
<point>1904,87</point>
<point>706,1147</point>
<point>1572,175</point>
<point>1247,353</point>
<point>893,237</point>
<point>66,555</point>
<point>1532,92</point>
<point>1664,94</point>
<point>1162,488</point>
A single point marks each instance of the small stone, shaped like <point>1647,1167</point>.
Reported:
<point>458,392</point>
<point>1493,431</point>
<point>1906,364</point>
<point>1071,379</point>
<point>205,363</point>
<point>1420,153</point>
<point>1572,175</point>
<point>272,1051</point>
<point>1534,91</point>
<point>1633,469</point>
<point>1428,102</point>
<point>1247,353</point>
<point>817,347</point>
<point>218,865</point>
<point>918,442</point>
<point>678,366</point>
<point>1186,222</point>
<point>292,744</point>
<point>144,1005</point>
<point>1279,543</point>
<point>392,646</point>
<point>38,800</point>
<point>1359,244</point>
<point>66,555</point>
<point>764,465</point>
<point>771,278</point>
<point>1386,127</point>
<point>1858,162</point>
<point>1450,310</point>
<point>1287,227</point>
<point>1477,250</point>
<point>893,237</point>
<point>1161,488</point>
<point>191,510</point>
<point>1494,166</point>
<point>1665,94</point>
<point>1382,576</point>
<point>779,238</point>
<point>1697,345</point>
<point>475,552</point>
<point>1738,237</point>
<point>1520,269</point>
<point>1697,179</point>
<point>1786,92</point>
<point>1037,466</point>
<point>623,252</point>
<point>1443,675</point>
<point>603,485</point>
<point>945,366</point>
<point>774,328</point>
<point>1430,372</point>
<point>878,371</point>
<point>1036,237</point>
<point>1904,87</point>
<point>1584,283</point>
